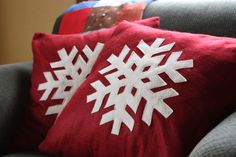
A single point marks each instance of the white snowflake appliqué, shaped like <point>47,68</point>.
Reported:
<point>69,76</point>
<point>134,79</point>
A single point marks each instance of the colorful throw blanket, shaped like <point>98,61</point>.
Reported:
<point>93,15</point>
<point>119,2</point>
<point>81,5</point>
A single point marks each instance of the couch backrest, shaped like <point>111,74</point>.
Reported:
<point>214,17</point>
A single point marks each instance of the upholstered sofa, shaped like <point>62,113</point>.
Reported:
<point>213,17</point>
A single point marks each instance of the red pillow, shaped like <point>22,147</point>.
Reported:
<point>61,64</point>
<point>151,93</point>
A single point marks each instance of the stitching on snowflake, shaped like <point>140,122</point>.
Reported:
<point>69,77</point>
<point>133,73</point>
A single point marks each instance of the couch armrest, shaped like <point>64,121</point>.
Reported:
<point>221,141</point>
<point>14,95</point>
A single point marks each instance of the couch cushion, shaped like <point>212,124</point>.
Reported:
<point>221,141</point>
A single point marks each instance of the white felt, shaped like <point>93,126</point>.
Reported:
<point>68,69</point>
<point>133,79</point>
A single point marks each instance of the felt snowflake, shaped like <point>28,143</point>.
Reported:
<point>133,79</point>
<point>69,76</point>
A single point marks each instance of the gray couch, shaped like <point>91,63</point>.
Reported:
<point>214,17</point>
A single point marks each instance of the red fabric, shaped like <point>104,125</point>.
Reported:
<point>205,99</point>
<point>74,22</point>
<point>45,48</point>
